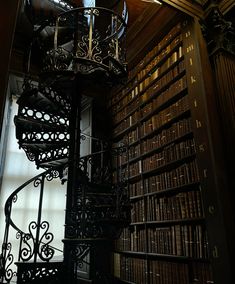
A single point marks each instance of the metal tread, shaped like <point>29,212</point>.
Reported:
<point>42,101</point>
<point>27,123</point>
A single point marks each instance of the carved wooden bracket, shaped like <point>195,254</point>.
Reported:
<point>218,32</point>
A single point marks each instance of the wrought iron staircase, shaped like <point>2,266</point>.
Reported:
<point>34,245</point>
<point>86,45</point>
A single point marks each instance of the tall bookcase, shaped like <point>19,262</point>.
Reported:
<point>160,116</point>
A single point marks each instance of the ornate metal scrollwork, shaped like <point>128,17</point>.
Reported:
<point>79,253</point>
<point>57,60</point>
<point>42,274</point>
<point>218,32</point>
<point>88,46</point>
<point>32,247</point>
<point>6,260</point>
<point>54,173</point>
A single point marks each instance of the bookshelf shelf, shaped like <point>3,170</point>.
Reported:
<point>149,57</point>
<point>159,148</point>
<point>178,221</point>
<point>154,115</point>
<point>162,168</point>
<point>174,190</point>
<point>150,255</point>
<point>161,80</point>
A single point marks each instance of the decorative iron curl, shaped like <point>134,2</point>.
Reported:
<point>112,47</point>
<point>79,254</point>
<point>52,175</point>
<point>27,252</point>
<point>6,260</point>
<point>96,50</point>
<point>15,198</point>
<point>83,47</point>
<point>29,154</point>
<point>46,252</point>
<point>37,182</point>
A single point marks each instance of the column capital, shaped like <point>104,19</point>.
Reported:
<point>218,32</point>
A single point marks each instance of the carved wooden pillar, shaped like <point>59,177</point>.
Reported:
<point>220,37</point>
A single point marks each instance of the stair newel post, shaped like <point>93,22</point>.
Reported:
<point>73,184</point>
<point>38,226</point>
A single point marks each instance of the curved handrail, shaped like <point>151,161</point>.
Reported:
<point>10,199</point>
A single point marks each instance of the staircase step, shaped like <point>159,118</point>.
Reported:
<point>45,137</point>
<point>45,100</point>
<point>53,163</point>
<point>31,124</point>
<point>40,272</point>
<point>42,146</point>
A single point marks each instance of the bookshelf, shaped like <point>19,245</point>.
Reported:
<point>155,114</point>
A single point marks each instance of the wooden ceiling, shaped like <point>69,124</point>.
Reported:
<point>140,14</point>
<point>135,9</point>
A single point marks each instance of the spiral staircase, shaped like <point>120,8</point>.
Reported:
<point>83,44</point>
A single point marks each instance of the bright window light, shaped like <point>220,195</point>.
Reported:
<point>89,3</point>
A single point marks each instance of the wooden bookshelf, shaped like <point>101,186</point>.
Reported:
<point>167,240</point>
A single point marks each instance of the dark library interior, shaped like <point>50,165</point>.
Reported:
<point>130,105</point>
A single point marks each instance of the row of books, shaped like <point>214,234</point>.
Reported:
<point>161,50</point>
<point>153,104</point>
<point>165,272</point>
<point>161,56</point>
<point>162,98</point>
<point>138,211</point>
<point>153,74</point>
<point>160,47</point>
<point>157,72</point>
<point>183,175</point>
<point>133,270</point>
<point>173,152</point>
<point>162,272</point>
<point>170,92</point>
<point>183,205</point>
<point>167,135</point>
<point>132,136</point>
<point>181,240</point>
<point>162,82</point>
<point>118,114</point>
<point>201,273</point>
<point>138,240</point>
<point>164,116</point>
<point>173,132</point>
<point>124,241</point>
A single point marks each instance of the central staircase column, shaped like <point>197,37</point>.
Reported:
<point>86,255</point>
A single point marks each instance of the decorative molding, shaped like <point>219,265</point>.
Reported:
<point>226,5</point>
<point>186,7</point>
<point>218,32</point>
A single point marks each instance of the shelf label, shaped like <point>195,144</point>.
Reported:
<point>211,209</point>
<point>193,79</point>
<point>198,123</point>
<point>201,148</point>
<point>215,252</point>
<point>188,33</point>
<point>190,48</point>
